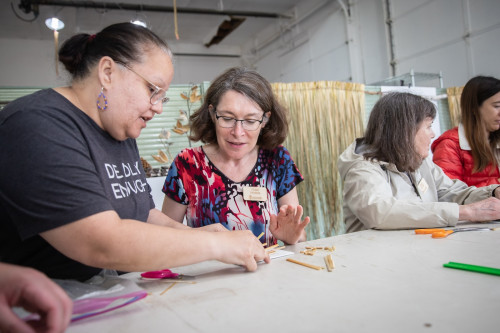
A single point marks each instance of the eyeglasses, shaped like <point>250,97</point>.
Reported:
<point>156,95</point>
<point>229,122</point>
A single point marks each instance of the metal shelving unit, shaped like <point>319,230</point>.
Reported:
<point>413,79</point>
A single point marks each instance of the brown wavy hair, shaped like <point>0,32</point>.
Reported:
<point>251,84</point>
<point>475,92</point>
<point>392,127</point>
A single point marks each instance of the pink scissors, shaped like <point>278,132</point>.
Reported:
<point>161,274</point>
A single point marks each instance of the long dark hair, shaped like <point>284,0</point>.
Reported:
<point>476,91</point>
<point>392,127</point>
<point>123,42</point>
<point>251,84</point>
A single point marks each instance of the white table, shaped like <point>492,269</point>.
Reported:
<point>384,281</point>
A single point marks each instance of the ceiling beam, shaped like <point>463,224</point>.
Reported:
<point>31,5</point>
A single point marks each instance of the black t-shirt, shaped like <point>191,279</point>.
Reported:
<point>56,167</point>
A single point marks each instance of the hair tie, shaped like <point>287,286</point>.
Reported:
<point>91,37</point>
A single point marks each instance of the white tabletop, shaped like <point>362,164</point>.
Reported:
<point>384,281</point>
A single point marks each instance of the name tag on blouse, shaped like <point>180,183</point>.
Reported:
<point>254,193</point>
<point>422,186</point>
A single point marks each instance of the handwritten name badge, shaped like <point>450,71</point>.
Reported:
<point>254,193</point>
<point>422,186</point>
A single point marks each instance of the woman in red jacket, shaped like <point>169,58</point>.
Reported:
<point>471,151</point>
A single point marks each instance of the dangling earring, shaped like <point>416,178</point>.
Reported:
<point>101,95</point>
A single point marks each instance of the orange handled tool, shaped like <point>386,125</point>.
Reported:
<point>444,233</point>
<point>441,233</point>
<point>427,231</point>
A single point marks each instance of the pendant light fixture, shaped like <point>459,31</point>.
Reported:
<point>55,24</point>
<point>140,19</point>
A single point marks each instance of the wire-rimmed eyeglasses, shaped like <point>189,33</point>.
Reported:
<point>230,122</point>
<point>156,95</point>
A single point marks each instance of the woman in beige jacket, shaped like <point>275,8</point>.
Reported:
<point>389,183</point>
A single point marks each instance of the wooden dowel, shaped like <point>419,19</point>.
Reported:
<point>168,288</point>
<point>329,262</point>
<point>305,264</point>
<point>272,246</point>
<point>276,249</point>
<point>176,281</point>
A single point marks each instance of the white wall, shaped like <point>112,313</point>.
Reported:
<point>197,69</point>
<point>314,49</point>
<point>461,38</point>
<point>431,36</point>
<point>31,63</point>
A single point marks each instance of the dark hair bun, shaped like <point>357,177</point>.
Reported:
<point>72,52</point>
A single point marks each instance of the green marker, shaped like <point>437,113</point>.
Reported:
<point>473,268</point>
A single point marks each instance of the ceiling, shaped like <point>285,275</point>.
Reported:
<point>193,28</point>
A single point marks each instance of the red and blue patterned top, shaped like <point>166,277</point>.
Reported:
<point>211,197</point>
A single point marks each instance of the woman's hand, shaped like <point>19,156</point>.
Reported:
<point>287,226</point>
<point>240,247</point>
<point>215,227</point>
<point>484,210</point>
<point>35,292</point>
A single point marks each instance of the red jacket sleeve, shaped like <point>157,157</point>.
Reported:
<point>446,154</point>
